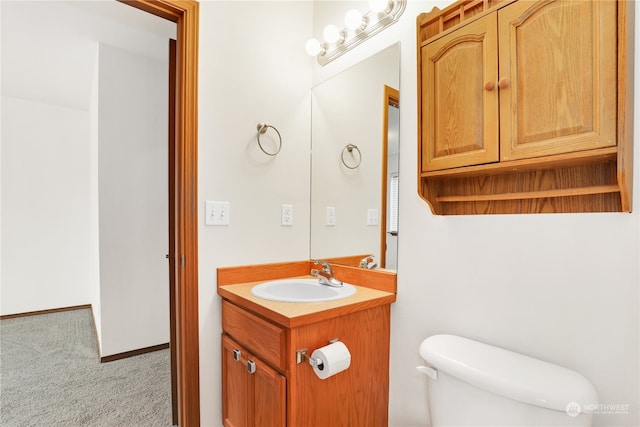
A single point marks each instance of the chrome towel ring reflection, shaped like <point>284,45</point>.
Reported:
<point>262,129</point>
<point>350,149</point>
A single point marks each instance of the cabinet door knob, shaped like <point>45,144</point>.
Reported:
<point>236,354</point>
<point>489,86</point>
<point>251,367</point>
<point>503,83</point>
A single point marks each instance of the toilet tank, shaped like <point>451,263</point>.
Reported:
<point>476,384</point>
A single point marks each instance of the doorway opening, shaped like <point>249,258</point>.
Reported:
<point>183,251</point>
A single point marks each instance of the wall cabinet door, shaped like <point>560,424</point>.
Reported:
<point>557,64</point>
<point>253,394</point>
<point>460,97</point>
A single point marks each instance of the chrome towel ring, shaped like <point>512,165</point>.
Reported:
<point>262,129</point>
<point>350,149</point>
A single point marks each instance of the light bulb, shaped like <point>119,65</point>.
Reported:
<point>313,47</point>
<point>353,19</point>
<point>379,5</point>
<point>331,34</point>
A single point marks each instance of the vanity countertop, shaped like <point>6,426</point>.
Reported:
<point>291,315</point>
<point>373,288</point>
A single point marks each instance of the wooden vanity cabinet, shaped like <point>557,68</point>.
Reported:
<point>264,383</point>
<point>523,106</point>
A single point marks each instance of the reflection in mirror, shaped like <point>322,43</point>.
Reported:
<point>353,207</point>
<point>390,177</point>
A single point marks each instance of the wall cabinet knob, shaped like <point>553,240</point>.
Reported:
<point>489,86</point>
<point>503,83</point>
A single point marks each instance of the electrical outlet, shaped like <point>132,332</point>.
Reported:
<point>217,213</point>
<point>331,215</point>
<point>372,216</point>
<point>287,215</point>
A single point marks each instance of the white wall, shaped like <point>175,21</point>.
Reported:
<point>562,288</point>
<point>133,209</point>
<point>45,197</point>
<point>94,201</point>
<point>252,68</point>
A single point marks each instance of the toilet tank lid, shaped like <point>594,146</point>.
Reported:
<point>507,373</point>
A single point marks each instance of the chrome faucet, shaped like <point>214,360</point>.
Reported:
<point>368,262</point>
<point>325,275</point>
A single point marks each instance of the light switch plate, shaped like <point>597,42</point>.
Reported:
<point>217,213</point>
<point>372,216</point>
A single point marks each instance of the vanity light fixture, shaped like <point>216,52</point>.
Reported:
<point>313,47</point>
<point>354,20</point>
<point>358,28</point>
<point>332,34</point>
<point>381,5</point>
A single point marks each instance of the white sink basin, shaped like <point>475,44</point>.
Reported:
<point>301,290</point>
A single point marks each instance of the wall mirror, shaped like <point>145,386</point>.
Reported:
<point>354,161</point>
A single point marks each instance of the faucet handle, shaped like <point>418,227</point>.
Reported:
<point>315,272</point>
<point>368,261</point>
<point>326,267</point>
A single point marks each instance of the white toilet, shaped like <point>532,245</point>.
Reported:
<point>476,384</point>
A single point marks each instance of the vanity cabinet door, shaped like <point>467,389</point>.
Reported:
<point>269,397</point>
<point>460,97</point>
<point>235,386</point>
<point>558,68</point>
<point>253,394</point>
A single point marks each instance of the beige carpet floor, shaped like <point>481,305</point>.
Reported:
<point>50,375</point>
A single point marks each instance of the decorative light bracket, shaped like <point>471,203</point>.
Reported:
<point>373,23</point>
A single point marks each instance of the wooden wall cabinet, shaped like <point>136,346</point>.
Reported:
<point>526,107</point>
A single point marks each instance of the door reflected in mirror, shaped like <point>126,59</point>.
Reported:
<point>390,179</point>
<point>354,161</point>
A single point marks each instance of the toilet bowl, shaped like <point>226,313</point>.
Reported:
<point>475,384</point>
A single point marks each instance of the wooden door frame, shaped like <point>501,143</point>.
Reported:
<point>185,13</point>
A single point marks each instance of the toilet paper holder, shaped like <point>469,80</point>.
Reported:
<point>302,355</point>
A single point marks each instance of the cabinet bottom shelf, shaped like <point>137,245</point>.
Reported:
<point>571,189</point>
<point>565,192</point>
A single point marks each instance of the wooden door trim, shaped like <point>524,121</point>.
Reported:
<point>185,13</point>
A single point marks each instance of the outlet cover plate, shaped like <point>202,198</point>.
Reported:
<point>331,216</point>
<point>287,215</point>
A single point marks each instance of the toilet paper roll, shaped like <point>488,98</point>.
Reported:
<point>331,359</point>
